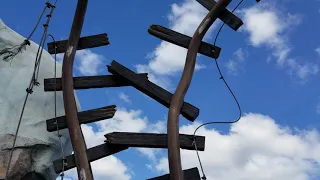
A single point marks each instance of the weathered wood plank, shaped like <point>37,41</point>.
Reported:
<point>189,174</point>
<point>183,40</point>
<point>84,117</point>
<point>87,82</point>
<point>84,43</point>
<point>152,90</point>
<point>226,16</point>
<point>93,154</point>
<point>152,140</point>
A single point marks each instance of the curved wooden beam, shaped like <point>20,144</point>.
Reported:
<point>175,168</point>
<point>77,140</point>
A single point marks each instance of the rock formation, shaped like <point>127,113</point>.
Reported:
<point>35,147</point>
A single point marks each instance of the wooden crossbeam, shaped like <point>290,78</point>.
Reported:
<point>87,82</point>
<point>152,90</point>
<point>152,140</point>
<point>84,117</point>
<point>93,154</point>
<point>189,174</point>
<point>84,43</point>
<point>183,40</point>
<point>226,16</point>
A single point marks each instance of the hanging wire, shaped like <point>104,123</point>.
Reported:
<point>33,82</point>
<point>55,107</point>
<point>14,50</point>
<point>231,92</point>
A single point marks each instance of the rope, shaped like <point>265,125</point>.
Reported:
<point>14,50</point>
<point>33,82</point>
<point>231,92</point>
<point>55,107</point>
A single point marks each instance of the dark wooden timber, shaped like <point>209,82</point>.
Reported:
<point>152,90</point>
<point>226,16</point>
<point>189,174</point>
<point>79,147</point>
<point>182,88</point>
<point>93,154</point>
<point>152,140</point>
<point>183,40</point>
<point>85,117</point>
<point>84,43</point>
<point>87,82</point>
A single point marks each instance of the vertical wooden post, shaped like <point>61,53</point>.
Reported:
<point>175,168</point>
<point>77,140</point>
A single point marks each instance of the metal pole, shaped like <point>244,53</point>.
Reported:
<point>77,140</point>
<point>175,168</point>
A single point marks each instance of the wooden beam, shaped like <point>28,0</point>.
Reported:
<point>93,154</point>
<point>183,40</point>
<point>152,90</point>
<point>84,117</point>
<point>84,43</point>
<point>152,140</point>
<point>87,82</point>
<point>189,174</point>
<point>226,16</point>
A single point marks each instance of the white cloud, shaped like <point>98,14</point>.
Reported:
<point>317,50</point>
<point>303,71</point>
<point>269,27</point>
<point>237,61</point>
<point>151,153</point>
<point>255,148</point>
<point>168,59</point>
<point>124,97</point>
<point>318,106</point>
<point>89,62</point>
<point>111,167</point>
<point>107,168</point>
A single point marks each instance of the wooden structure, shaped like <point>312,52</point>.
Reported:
<point>122,76</point>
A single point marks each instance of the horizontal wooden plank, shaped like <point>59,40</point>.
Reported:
<point>152,140</point>
<point>152,90</point>
<point>226,16</point>
<point>87,82</point>
<point>84,117</point>
<point>84,43</point>
<point>183,40</point>
<point>189,174</point>
<point>93,154</point>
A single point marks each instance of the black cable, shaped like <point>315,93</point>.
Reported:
<point>55,105</point>
<point>14,50</point>
<point>225,82</point>
<point>33,82</point>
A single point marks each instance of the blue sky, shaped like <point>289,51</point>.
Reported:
<point>271,63</point>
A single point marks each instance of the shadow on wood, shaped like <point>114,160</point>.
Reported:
<point>152,140</point>
<point>152,90</point>
<point>84,43</point>
<point>87,82</point>
<point>84,117</point>
<point>189,174</point>
<point>93,154</point>
<point>226,16</point>
<point>183,40</point>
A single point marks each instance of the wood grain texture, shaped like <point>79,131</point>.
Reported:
<point>183,40</point>
<point>154,91</point>
<point>226,16</point>
<point>93,154</point>
<point>189,174</point>
<point>84,117</point>
<point>84,43</point>
<point>87,82</point>
<point>152,140</point>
